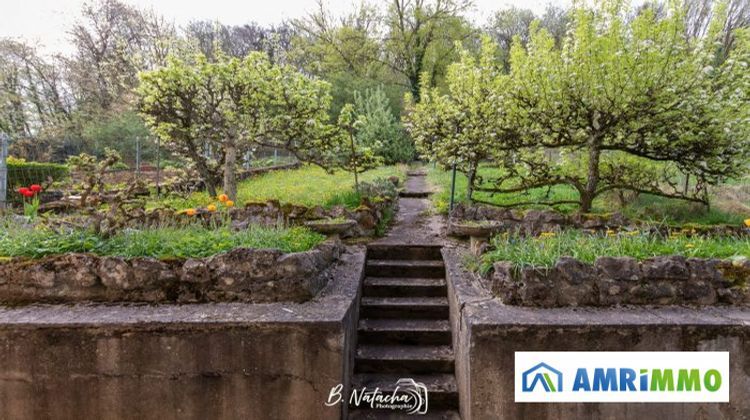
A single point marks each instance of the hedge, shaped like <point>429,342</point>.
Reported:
<point>21,174</point>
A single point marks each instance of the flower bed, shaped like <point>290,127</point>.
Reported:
<point>242,274</point>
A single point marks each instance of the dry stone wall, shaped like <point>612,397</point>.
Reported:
<point>246,275</point>
<point>669,280</point>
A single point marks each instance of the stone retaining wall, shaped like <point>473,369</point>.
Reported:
<point>169,361</point>
<point>247,275</point>
<point>533,222</point>
<point>671,280</point>
<point>487,333</point>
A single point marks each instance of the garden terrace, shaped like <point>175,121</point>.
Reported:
<point>168,266</point>
<point>305,186</point>
<point>573,268</point>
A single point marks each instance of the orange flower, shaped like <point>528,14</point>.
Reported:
<point>229,203</point>
<point>223,198</point>
<point>191,212</point>
<point>211,208</point>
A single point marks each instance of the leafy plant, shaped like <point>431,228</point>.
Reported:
<point>381,130</point>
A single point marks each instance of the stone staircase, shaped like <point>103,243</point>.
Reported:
<point>404,331</point>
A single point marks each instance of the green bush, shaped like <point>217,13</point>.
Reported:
<point>381,131</point>
<point>23,174</point>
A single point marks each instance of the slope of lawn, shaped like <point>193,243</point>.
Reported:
<point>183,242</point>
<point>547,248</point>
<point>730,202</point>
<point>308,185</point>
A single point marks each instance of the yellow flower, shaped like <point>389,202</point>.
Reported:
<point>689,246</point>
<point>610,232</point>
<point>223,198</point>
<point>191,212</point>
<point>747,222</point>
<point>547,234</point>
<point>211,208</point>
<point>229,203</point>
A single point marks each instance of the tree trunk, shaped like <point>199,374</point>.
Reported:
<point>592,181</point>
<point>471,175</point>
<point>230,164</point>
<point>354,161</point>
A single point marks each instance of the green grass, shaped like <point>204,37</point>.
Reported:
<point>442,179</point>
<point>545,251</point>
<point>186,242</point>
<point>307,186</point>
<point>646,207</point>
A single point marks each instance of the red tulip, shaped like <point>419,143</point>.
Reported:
<point>36,188</point>
<point>24,191</point>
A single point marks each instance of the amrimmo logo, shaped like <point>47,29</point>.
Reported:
<point>542,375</point>
<point>622,377</point>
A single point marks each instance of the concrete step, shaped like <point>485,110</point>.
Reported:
<point>404,331</point>
<point>405,268</point>
<point>404,252</point>
<point>362,414</point>
<point>395,358</point>
<point>404,307</point>
<point>386,286</point>
<point>414,194</point>
<point>442,391</point>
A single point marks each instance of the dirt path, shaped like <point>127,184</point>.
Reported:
<point>415,223</point>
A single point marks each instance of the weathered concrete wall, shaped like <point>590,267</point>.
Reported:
<point>200,361</point>
<point>488,334</point>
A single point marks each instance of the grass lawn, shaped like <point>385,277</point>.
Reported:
<point>185,242</point>
<point>546,249</point>
<point>728,206</point>
<point>307,185</point>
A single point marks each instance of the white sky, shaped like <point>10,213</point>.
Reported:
<point>46,22</point>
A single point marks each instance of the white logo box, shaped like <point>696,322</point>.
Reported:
<point>545,372</point>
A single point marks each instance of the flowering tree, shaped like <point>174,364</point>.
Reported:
<point>625,104</point>
<point>467,125</point>
<point>208,111</point>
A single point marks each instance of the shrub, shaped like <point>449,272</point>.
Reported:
<point>22,173</point>
<point>381,131</point>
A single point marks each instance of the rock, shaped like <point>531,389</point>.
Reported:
<point>240,268</point>
<point>300,265</point>
<point>148,272</point>
<point>195,271</point>
<point>116,273</point>
<point>503,284</point>
<point>618,268</point>
<point>536,289</point>
<point>331,249</point>
<point>666,268</point>
<point>77,270</point>
<point>40,275</point>
<point>575,282</point>
<point>315,213</point>
<point>366,219</point>
<point>653,292</point>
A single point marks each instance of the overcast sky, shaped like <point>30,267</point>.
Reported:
<point>45,22</point>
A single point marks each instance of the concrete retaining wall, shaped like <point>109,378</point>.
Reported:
<point>487,333</point>
<point>217,360</point>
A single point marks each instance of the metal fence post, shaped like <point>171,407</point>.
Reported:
<point>453,189</point>
<point>3,170</point>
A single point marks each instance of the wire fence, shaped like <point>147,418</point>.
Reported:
<point>162,168</point>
